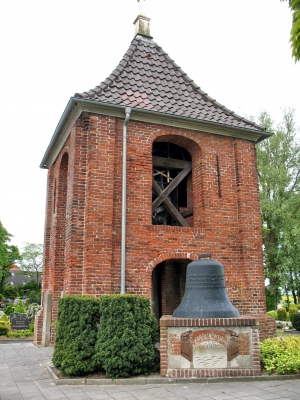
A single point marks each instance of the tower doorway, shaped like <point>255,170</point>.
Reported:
<point>168,286</point>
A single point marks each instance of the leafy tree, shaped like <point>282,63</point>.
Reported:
<point>31,262</point>
<point>8,255</point>
<point>278,161</point>
<point>295,31</point>
<point>270,300</point>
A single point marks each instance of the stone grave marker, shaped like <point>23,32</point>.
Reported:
<point>19,321</point>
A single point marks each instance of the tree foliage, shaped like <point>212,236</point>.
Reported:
<point>278,161</point>
<point>31,262</point>
<point>295,31</point>
<point>8,255</point>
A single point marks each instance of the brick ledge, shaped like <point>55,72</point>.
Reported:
<point>168,320</point>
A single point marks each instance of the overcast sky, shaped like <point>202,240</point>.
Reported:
<point>236,50</point>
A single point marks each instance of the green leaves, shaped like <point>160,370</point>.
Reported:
<point>8,255</point>
<point>31,260</point>
<point>278,160</point>
<point>281,355</point>
<point>295,31</point>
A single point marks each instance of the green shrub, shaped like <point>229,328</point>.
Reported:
<point>20,308</point>
<point>292,310</point>
<point>19,334</point>
<point>295,319</point>
<point>31,326</point>
<point>10,292</point>
<point>9,309</point>
<point>3,330</point>
<point>281,312</point>
<point>273,314</point>
<point>32,310</point>
<point>127,336</point>
<point>31,285</point>
<point>34,297</point>
<point>76,335</point>
<point>281,355</point>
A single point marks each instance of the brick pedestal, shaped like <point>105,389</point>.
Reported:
<point>209,347</point>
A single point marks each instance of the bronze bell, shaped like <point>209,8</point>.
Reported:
<point>205,292</point>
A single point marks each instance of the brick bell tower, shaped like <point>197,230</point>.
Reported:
<point>146,171</point>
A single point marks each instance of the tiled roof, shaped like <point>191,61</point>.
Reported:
<point>147,78</point>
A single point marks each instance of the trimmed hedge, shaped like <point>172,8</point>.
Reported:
<point>127,336</point>
<point>123,344</point>
<point>76,334</point>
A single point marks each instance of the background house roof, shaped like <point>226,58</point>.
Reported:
<point>148,79</point>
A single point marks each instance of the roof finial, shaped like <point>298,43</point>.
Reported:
<point>142,7</point>
<point>142,22</point>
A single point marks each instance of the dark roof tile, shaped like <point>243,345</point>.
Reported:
<point>147,78</point>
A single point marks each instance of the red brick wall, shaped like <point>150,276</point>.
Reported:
<point>85,258</point>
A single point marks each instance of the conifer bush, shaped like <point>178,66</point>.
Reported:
<point>76,334</point>
<point>20,308</point>
<point>282,314</point>
<point>9,309</point>
<point>127,336</point>
<point>295,319</point>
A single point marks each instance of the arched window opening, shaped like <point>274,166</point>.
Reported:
<point>60,225</point>
<point>171,197</point>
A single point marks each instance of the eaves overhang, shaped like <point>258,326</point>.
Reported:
<point>77,106</point>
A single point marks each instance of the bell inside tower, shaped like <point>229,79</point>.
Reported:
<point>171,185</point>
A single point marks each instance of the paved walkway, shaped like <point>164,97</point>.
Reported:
<point>24,375</point>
